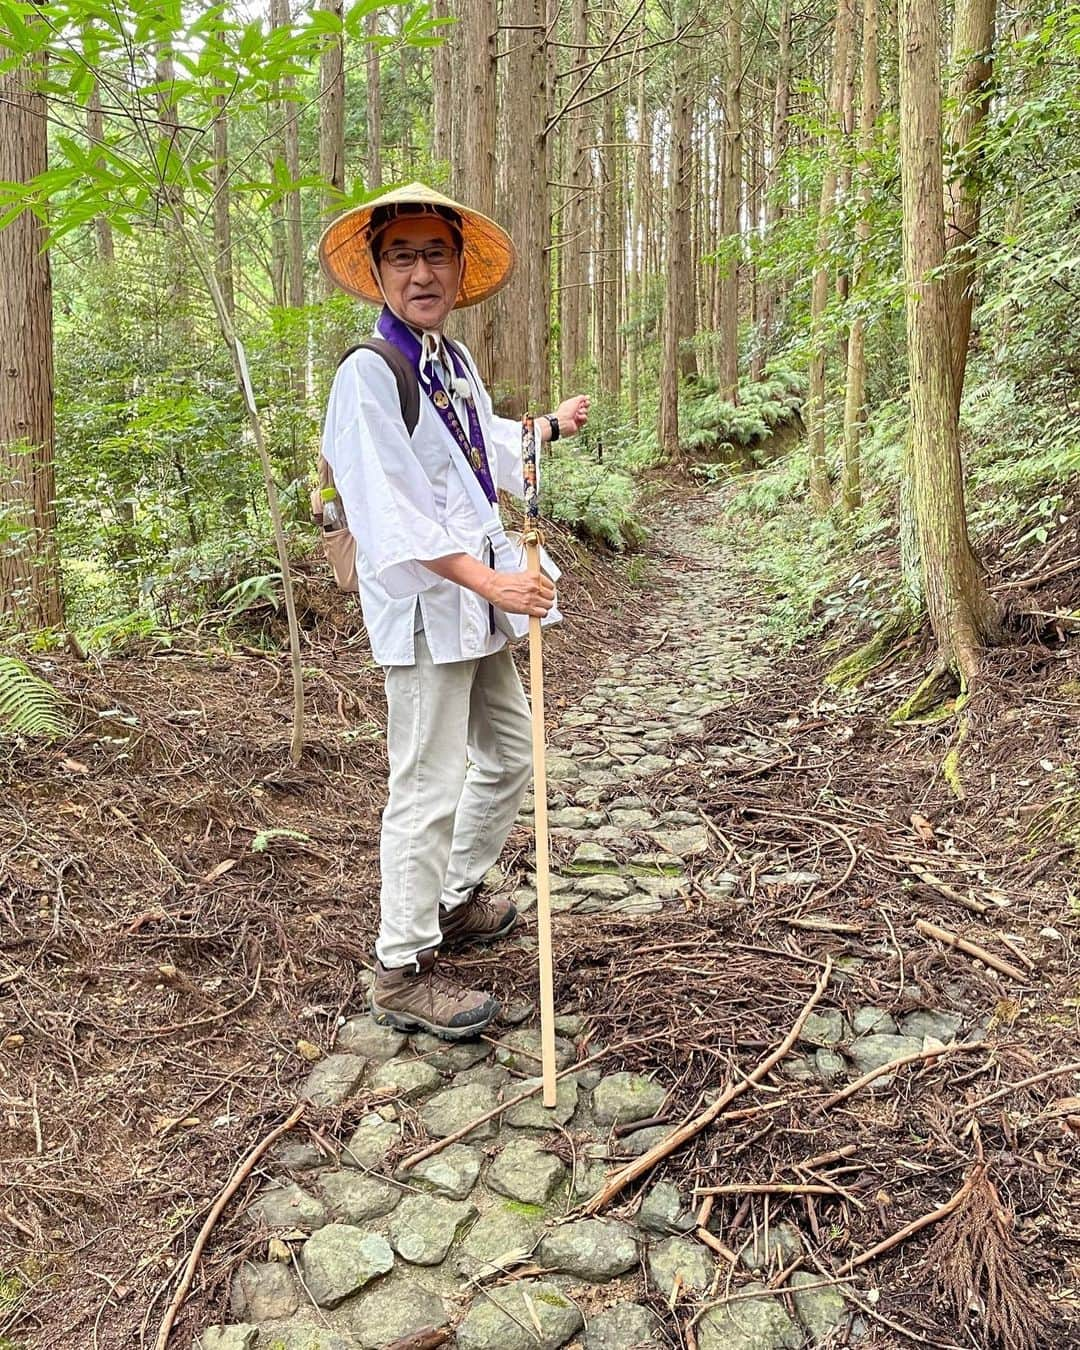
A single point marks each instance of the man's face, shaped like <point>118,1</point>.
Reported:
<point>423,294</point>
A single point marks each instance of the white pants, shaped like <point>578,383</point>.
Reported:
<point>460,748</point>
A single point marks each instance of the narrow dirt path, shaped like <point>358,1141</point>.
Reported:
<point>662,956</point>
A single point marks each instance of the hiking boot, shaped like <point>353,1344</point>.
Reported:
<point>481,918</point>
<point>414,1000</point>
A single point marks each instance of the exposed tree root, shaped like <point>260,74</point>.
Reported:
<point>853,670</point>
<point>939,696</point>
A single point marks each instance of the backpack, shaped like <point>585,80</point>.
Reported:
<point>338,545</point>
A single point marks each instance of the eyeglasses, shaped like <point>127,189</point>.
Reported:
<point>435,255</point>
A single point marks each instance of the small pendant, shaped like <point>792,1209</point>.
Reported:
<point>441,401</point>
<point>476,457</point>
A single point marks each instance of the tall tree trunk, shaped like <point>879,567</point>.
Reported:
<point>679,264</point>
<point>576,246</point>
<point>523,373</point>
<point>637,244</point>
<point>778,143</point>
<point>962,612</point>
<point>972,47</point>
<point>29,572</point>
<point>820,492</point>
<point>332,120</point>
<point>475,51</point>
<point>374,103</point>
<point>294,219</point>
<point>855,389</point>
<point>442,79</point>
<point>728,355</point>
<point>95,134</point>
<point>219,176</point>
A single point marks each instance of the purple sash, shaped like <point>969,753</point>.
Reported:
<point>471,445</point>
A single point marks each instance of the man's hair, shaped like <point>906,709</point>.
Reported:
<point>384,216</point>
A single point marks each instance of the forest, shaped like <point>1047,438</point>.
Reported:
<point>813,714</point>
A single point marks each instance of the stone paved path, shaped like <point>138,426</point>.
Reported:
<point>359,1256</point>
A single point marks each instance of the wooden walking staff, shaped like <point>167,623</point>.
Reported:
<point>532,539</point>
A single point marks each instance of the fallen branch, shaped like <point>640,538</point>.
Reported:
<point>894,1064</point>
<point>240,1174</point>
<point>1022,1083</point>
<point>909,1230</point>
<point>431,1149</point>
<point>715,1245</point>
<point>931,930</point>
<point>691,1128</point>
<point>949,892</point>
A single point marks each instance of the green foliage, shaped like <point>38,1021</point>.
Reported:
<point>593,499</point>
<point>711,425</point>
<point>29,706</point>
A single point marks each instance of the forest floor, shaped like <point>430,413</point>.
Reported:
<point>187,921</point>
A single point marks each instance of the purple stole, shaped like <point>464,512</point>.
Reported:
<point>471,443</point>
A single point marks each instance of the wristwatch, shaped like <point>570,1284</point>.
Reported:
<point>553,423</point>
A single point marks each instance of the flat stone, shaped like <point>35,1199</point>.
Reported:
<point>396,1307</point>
<point>632,818</point>
<point>679,1256</point>
<point>588,1179</point>
<point>451,1173</point>
<point>288,1206</point>
<point>590,859</point>
<point>829,1066</point>
<point>524,1171</point>
<point>573,818</point>
<point>822,1311</point>
<point>299,1156</point>
<point>424,1228</point>
<point>663,888</point>
<point>624,1097</point>
<point>520,1050</point>
<point>608,888</point>
<point>334,1079</point>
<point>455,1107</point>
<point>789,879</point>
<point>240,1336</point>
<point>655,865</point>
<point>302,1334</point>
<point>869,1020</point>
<point>825,1027</point>
<point>662,1211</point>
<point>262,1290</point>
<point>626,1326</point>
<point>370,1142</point>
<point>446,1057</point>
<point>494,1076</point>
<point>871,1052</point>
<point>505,1234</point>
<point>569,1024</point>
<point>591,1249</point>
<point>777,1245</point>
<point>357,1197</point>
<point>650,764</point>
<point>506,1318</point>
<point>634,1145</point>
<point>339,1260</point>
<point>532,1114</point>
<point>687,842</point>
<point>364,1037</point>
<point>941,1026</point>
<point>406,1078</point>
<point>751,1324</point>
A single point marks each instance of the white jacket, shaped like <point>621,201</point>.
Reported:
<point>405,500</point>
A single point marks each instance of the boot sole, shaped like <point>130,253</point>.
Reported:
<point>449,943</point>
<point>385,1017</point>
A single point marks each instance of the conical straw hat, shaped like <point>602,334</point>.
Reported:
<point>488,251</point>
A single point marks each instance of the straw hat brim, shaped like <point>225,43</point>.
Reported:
<point>488,252</point>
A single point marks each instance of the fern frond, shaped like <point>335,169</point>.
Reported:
<point>29,705</point>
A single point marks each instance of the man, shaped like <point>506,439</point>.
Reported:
<point>422,510</point>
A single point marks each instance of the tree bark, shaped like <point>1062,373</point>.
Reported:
<point>522,373</point>
<point>576,246</point>
<point>475,52</point>
<point>29,571</point>
<point>855,388</point>
<point>774,205</point>
<point>962,613</point>
<point>219,176</point>
<point>95,134</point>
<point>972,46</point>
<point>332,121</point>
<point>679,262</point>
<point>373,92</point>
<point>820,492</point>
<point>728,355</point>
<point>442,79</point>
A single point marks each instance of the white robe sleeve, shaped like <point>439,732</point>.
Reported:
<point>387,496</point>
<point>504,434</point>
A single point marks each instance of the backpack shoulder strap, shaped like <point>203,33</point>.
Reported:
<point>408,385</point>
